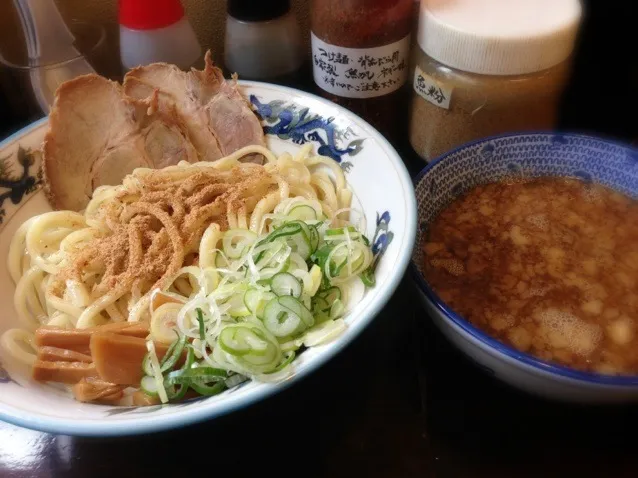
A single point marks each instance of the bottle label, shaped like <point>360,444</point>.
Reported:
<point>431,90</point>
<point>360,72</point>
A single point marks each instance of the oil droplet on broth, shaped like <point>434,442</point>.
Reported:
<point>453,266</point>
<point>538,220</point>
<point>565,330</point>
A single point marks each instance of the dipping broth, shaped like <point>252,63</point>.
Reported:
<point>548,266</point>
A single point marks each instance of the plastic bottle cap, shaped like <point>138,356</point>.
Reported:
<point>499,37</point>
<point>257,11</point>
<point>149,14</point>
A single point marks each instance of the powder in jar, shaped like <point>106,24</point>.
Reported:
<point>486,67</point>
<point>479,105</point>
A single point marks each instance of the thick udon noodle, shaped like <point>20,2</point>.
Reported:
<point>65,264</point>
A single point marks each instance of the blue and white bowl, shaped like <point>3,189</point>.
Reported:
<point>383,191</point>
<point>491,159</point>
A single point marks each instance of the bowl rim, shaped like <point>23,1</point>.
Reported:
<point>109,427</point>
<point>482,337</point>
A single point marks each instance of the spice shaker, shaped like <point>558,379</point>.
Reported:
<point>156,31</point>
<point>263,41</point>
<point>486,67</point>
<point>360,54</point>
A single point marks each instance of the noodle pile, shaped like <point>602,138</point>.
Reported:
<point>76,270</point>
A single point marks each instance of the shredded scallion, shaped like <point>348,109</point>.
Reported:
<point>261,298</point>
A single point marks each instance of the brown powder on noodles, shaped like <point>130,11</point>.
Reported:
<point>154,227</point>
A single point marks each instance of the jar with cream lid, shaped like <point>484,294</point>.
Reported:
<point>486,67</point>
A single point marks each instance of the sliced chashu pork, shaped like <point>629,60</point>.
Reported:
<point>180,90</point>
<point>218,118</point>
<point>166,139</point>
<point>97,135</point>
<point>230,116</point>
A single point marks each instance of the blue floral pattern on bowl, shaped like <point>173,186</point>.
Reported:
<point>15,186</point>
<point>382,235</point>
<point>297,123</point>
<point>4,376</point>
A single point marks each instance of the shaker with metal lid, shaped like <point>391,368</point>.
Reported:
<point>263,40</point>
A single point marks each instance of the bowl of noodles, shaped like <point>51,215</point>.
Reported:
<point>187,292</point>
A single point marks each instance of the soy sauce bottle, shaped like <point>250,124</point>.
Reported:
<point>360,57</point>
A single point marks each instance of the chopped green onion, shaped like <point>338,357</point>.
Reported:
<point>320,304</point>
<point>169,361</point>
<point>285,363</point>
<point>190,375</point>
<point>340,231</point>
<point>256,299</point>
<point>171,347</point>
<point>250,347</point>
<point>314,237</point>
<point>337,309</point>
<point>175,394</point>
<point>190,357</point>
<point>367,277</point>
<point>200,321</point>
<point>285,316</point>
<point>331,294</point>
<point>296,234</point>
<point>287,229</point>
<point>147,368</point>
<point>208,390</point>
<point>267,297</point>
<point>303,212</point>
<point>285,284</point>
<point>149,386</point>
<point>233,340</point>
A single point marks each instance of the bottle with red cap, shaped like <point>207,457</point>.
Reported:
<point>156,31</point>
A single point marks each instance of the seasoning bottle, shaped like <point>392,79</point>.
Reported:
<point>360,55</point>
<point>156,31</point>
<point>485,67</point>
<point>263,41</point>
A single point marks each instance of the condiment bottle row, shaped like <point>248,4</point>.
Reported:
<point>478,67</point>
<point>441,72</point>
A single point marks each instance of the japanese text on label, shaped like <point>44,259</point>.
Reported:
<point>431,90</point>
<point>360,72</point>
